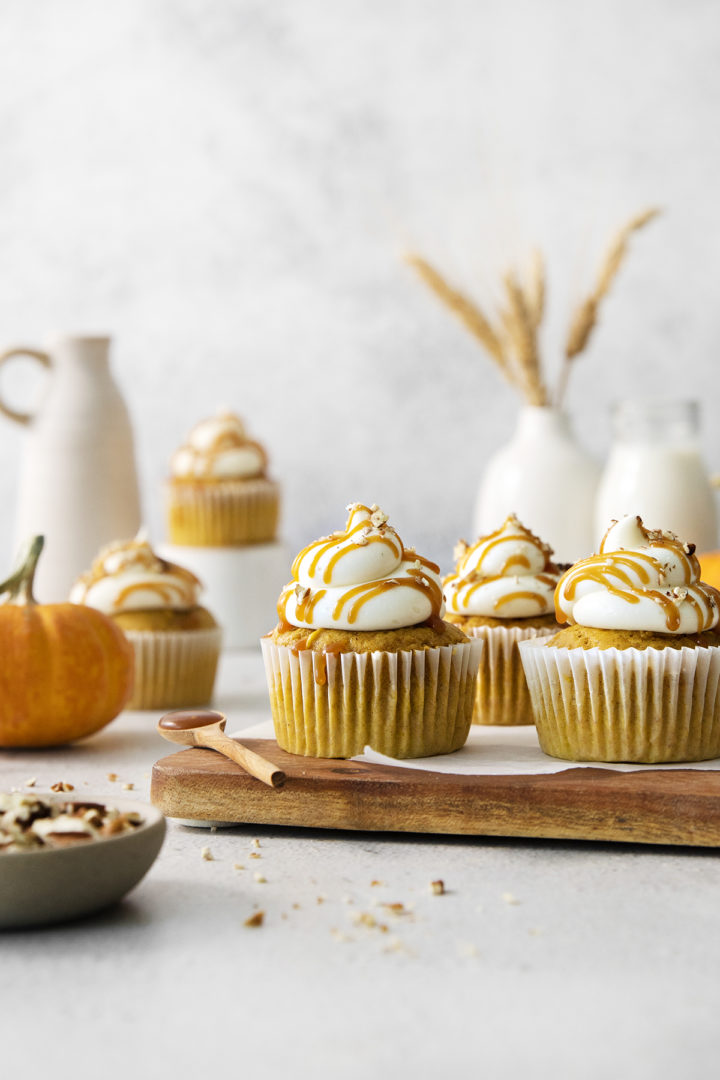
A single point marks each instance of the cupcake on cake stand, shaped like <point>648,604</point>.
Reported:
<point>222,519</point>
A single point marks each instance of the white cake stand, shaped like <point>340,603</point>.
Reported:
<point>242,585</point>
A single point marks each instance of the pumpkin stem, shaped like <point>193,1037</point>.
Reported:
<point>18,589</point>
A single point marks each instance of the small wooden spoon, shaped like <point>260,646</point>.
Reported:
<point>203,727</point>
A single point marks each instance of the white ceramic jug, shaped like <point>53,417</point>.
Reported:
<point>78,482</point>
<point>545,477</point>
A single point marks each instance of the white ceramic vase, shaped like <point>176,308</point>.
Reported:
<point>545,477</point>
<point>78,480</point>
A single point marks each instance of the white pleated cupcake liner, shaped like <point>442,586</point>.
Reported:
<point>223,513</point>
<point>501,693</point>
<point>405,704</point>
<point>174,669</point>
<point>636,705</point>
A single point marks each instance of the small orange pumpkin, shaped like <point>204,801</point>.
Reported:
<point>65,669</point>
<point>710,568</point>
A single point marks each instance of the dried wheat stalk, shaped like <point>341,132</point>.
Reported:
<point>521,327</point>
<point>513,344</point>
<point>536,289</point>
<point>466,310</point>
<point>585,317</point>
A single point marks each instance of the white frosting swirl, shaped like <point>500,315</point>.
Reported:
<point>361,579</point>
<point>219,449</point>
<point>129,576</point>
<point>506,575</point>
<point>639,580</point>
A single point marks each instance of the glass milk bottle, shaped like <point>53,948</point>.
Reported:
<point>655,470</point>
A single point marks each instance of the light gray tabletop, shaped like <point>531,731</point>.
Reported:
<point>541,959</point>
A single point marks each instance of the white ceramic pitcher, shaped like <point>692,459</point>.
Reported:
<point>78,481</point>
<point>545,477</point>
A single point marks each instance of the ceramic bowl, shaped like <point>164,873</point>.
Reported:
<point>52,885</point>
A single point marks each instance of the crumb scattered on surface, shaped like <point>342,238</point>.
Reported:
<point>296,907</point>
<point>364,918</point>
<point>112,777</point>
<point>128,787</point>
<point>256,919</point>
<point>255,855</point>
<point>320,899</point>
<point>238,866</point>
<point>396,908</point>
<point>260,878</point>
<point>437,888</point>
<point>206,854</point>
<point>255,842</point>
<point>509,898</point>
<point>374,883</point>
<point>62,785</point>
<point>31,782</point>
<point>368,920</point>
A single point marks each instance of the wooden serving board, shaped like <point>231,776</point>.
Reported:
<point>649,807</point>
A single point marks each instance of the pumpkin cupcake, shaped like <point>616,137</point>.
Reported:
<point>636,675</point>
<point>361,655</point>
<point>175,640</point>
<point>219,494</point>
<point>502,593</point>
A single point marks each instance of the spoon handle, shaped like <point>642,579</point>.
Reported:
<point>257,766</point>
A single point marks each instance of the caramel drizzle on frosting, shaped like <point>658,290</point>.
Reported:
<point>164,592</point>
<point>606,566</point>
<point>476,579</point>
<point>229,439</point>
<point>360,594</point>
<point>306,606</point>
<point>525,595</point>
<point>320,547</point>
<point>134,554</point>
<point>357,596</point>
<point>515,560</point>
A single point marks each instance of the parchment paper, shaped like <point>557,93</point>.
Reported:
<point>491,751</point>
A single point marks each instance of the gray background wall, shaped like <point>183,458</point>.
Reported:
<point>228,187</point>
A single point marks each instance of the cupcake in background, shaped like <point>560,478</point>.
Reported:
<point>218,493</point>
<point>361,655</point>
<point>155,602</point>
<point>636,675</point>
<point>502,592</point>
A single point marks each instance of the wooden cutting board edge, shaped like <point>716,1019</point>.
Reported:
<point>677,807</point>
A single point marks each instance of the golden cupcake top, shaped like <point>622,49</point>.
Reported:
<point>219,449</point>
<point>361,577</point>
<point>508,574</point>
<point>128,576</point>
<point>641,579</point>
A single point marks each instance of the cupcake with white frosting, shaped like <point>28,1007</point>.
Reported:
<point>361,655</point>
<point>502,593</point>
<point>636,675</point>
<point>219,493</point>
<point>156,603</point>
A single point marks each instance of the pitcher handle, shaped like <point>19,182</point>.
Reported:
<point>35,354</point>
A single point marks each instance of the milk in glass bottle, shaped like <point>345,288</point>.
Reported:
<point>655,470</point>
